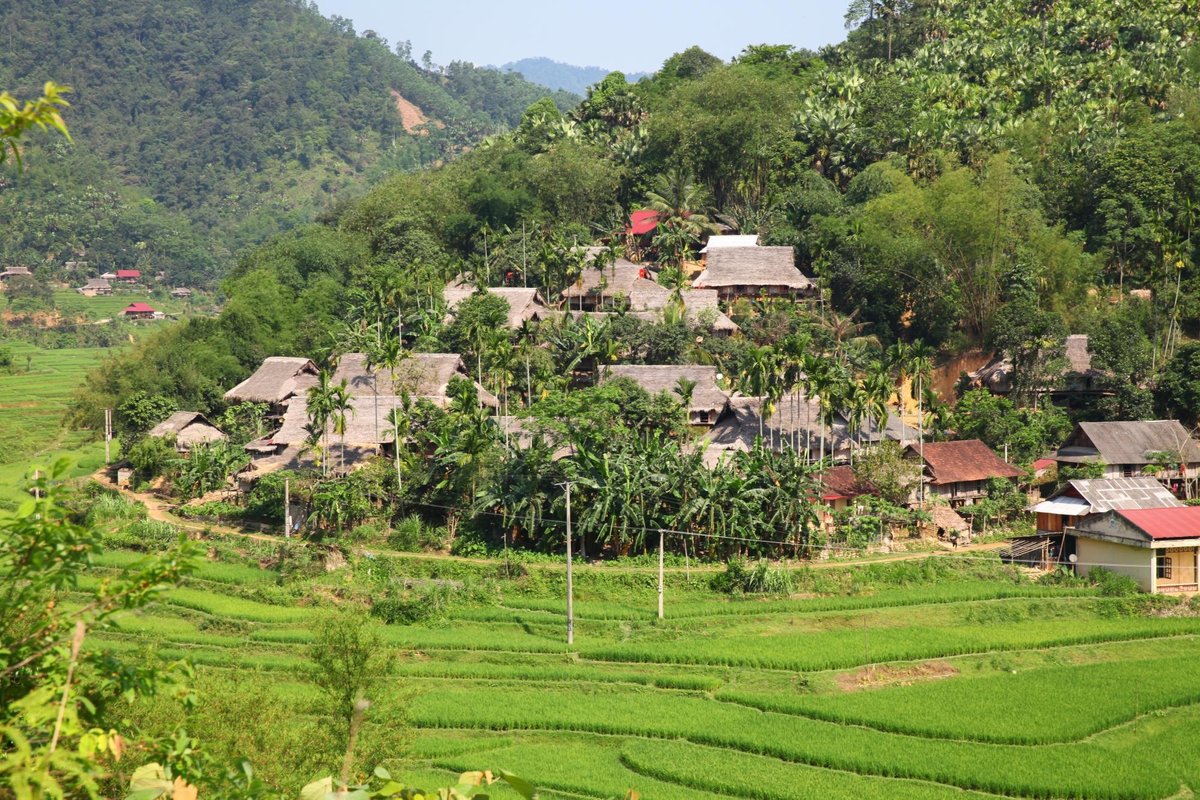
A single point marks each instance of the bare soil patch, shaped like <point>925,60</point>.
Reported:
<point>411,117</point>
<point>877,677</point>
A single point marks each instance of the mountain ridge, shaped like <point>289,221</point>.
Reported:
<point>562,76</point>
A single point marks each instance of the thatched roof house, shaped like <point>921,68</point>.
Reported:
<point>95,287</point>
<point>1077,377</point>
<point>420,375</point>
<point>524,305</point>
<point>189,428</point>
<point>701,308</point>
<point>751,271</point>
<point>795,422</point>
<point>279,378</point>
<point>181,292</point>
<point>615,284</point>
<point>15,272</point>
<point>708,401</point>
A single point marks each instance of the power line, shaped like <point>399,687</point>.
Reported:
<point>770,542</point>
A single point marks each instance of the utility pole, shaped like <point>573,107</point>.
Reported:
<point>287,508</point>
<point>107,436</point>
<point>660,573</point>
<point>570,582</point>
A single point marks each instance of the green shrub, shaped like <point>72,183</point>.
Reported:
<point>1112,584</point>
<point>406,535</point>
<point>113,507</point>
<point>144,536</point>
<point>214,510</point>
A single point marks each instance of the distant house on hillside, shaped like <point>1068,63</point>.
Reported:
<point>753,271</point>
<point>708,401</point>
<point>959,472</point>
<point>189,428</point>
<point>95,287</point>
<point>181,293</point>
<point>140,311</point>
<point>612,286</point>
<point>15,272</point>
<point>1078,380</point>
<point>701,308</point>
<point>1127,449</point>
<point>1157,547</point>
<point>128,275</point>
<point>524,305</point>
<point>277,380</point>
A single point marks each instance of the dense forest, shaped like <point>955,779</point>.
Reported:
<point>202,127</point>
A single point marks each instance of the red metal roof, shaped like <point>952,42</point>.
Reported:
<point>1165,523</point>
<point>138,308</point>
<point>129,273</point>
<point>644,221</point>
<point>1044,463</point>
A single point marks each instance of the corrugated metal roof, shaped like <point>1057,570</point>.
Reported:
<point>1107,494</point>
<point>1066,506</point>
<point>1165,523</point>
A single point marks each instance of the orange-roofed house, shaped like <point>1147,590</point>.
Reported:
<point>959,472</point>
<point>1157,547</point>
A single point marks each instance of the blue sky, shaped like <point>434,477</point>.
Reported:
<point>630,36</point>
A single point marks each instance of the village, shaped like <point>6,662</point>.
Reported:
<point>1113,496</point>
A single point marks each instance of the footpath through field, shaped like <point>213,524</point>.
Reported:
<point>160,510</point>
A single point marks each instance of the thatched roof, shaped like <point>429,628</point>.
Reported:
<point>752,266</point>
<point>730,240</point>
<point>279,378</point>
<point>699,306</point>
<point>707,396</point>
<point>622,278</point>
<point>96,283</point>
<point>796,422</point>
<point>523,304</point>
<point>1129,443</point>
<point>996,375</point>
<point>13,272</point>
<point>518,434</point>
<point>421,375</point>
<point>189,429</point>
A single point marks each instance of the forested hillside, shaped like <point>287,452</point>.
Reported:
<point>202,127</point>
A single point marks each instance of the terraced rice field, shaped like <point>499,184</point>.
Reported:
<point>947,689</point>
<point>32,405</point>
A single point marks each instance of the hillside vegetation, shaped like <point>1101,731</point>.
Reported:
<point>202,127</point>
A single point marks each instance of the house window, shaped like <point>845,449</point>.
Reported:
<point>1128,471</point>
<point>1164,566</point>
<point>703,417</point>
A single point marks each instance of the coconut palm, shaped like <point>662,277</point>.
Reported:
<point>320,408</point>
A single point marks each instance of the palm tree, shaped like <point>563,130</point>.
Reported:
<point>684,389</point>
<point>920,364</point>
<point>320,409</point>
<point>339,404</point>
<point>680,223</point>
<point>878,386</point>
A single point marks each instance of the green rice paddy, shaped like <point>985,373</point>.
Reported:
<point>945,688</point>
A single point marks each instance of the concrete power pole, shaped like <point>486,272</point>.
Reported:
<point>107,436</point>
<point>570,582</point>
<point>287,508</point>
<point>660,574</point>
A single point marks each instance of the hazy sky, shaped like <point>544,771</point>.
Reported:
<point>631,36</point>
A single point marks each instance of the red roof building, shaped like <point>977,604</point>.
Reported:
<point>1158,547</point>
<point>138,311</point>
<point>128,274</point>
<point>642,222</point>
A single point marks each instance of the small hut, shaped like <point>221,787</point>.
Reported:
<point>189,428</point>
<point>752,271</point>
<point>139,311</point>
<point>95,287</point>
<point>708,401</point>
